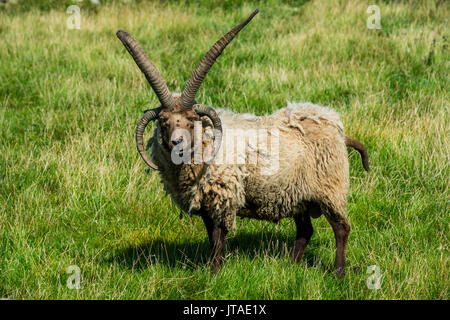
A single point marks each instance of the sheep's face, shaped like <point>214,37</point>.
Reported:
<point>177,128</point>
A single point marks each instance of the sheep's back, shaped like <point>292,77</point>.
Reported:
<point>312,160</point>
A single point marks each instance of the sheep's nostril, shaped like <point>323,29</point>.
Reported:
<point>177,141</point>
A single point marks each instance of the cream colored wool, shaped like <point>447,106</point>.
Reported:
<point>313,169</point>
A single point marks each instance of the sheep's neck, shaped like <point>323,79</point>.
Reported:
<point>189,175</point>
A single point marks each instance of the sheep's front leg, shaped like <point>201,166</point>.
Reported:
<point>304,233</point>
<point>218,239</point>
<point>216,235</point>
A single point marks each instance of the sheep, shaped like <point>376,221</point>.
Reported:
<point>312,171</point>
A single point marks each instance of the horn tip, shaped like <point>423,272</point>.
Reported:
<point>120,34</point>
<point>254,13</point>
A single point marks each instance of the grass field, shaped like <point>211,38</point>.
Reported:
<point>73,190</point>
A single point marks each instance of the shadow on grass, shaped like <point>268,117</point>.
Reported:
<point>195,254</point>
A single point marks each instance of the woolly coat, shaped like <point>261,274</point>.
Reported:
<point>311,173</point>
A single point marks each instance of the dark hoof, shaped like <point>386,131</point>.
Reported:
<point>340,272</point>
<point>216,269</point>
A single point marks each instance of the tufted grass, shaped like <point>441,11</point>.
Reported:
<point>73,190</point>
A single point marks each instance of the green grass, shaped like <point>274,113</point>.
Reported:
<point>73,190</point>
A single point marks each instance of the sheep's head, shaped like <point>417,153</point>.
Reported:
<point>176,125</point>
<point>177,112</point>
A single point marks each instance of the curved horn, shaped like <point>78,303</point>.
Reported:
<point>140,128</point>
<point>204,110</point>
<point>148,69</point>
<point>196,79</point>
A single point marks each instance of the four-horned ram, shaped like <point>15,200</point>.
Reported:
<point>305,143</point>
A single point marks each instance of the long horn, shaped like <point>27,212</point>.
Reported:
<point>196,79</point>
<point>148,116</point>
<point>204,110</point>
<point>148,69</point>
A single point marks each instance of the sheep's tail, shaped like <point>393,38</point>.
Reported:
<point>358,146</point>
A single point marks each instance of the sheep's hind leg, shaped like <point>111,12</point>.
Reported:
<point>304,233</point>
<point>341,230</point>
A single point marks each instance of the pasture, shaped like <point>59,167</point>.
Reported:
<point>74,192</point>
